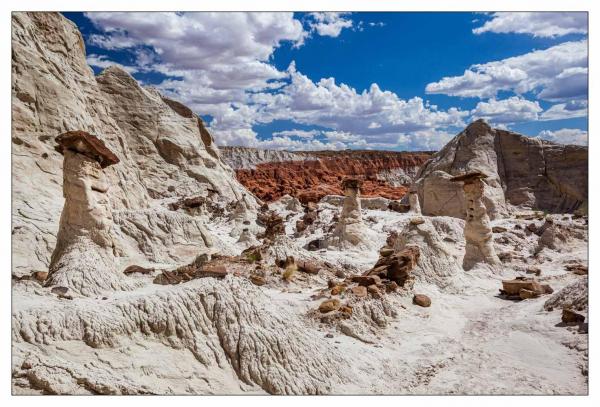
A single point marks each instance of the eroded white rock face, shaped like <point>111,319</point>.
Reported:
<point>522,171</point>
<point>224,325</point>
<point>441,249</point>
<point>165,151</point>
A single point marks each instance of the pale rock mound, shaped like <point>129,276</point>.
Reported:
<point>522,171</point>
<point>440,250</point>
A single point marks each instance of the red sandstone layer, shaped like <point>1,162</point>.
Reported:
<point>311,180</point>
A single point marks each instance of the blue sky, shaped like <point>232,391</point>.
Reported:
<point>398,81</point>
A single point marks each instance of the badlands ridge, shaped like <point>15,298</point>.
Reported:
<point>141,265</point>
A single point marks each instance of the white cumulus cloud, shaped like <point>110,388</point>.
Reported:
<point>569,110</point>
<point>329,24</point>
<point>565,136</point>
<point>512,110</point>
<point>306,134</point>
<point>538,24</point>
<point>555,73</point>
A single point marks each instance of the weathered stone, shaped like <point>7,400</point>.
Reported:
<point>499,229</point>
<point>571,317</point>
<point>521,171</point>
<point>137,269</point>
<point>350,229</point>
<point>386,251</point>
<point>315,245</point>
<point>338,289</point>
<point>533,270</point>
<point>257,280</point>
<point>547,289</point>
<point>478,231</point>
<point>391,286</point>
<point>513,287</point>
<point>421,300</point>
<point>577,268</point>
<point>40,276</point>
<point>300,226</point>
<point>329,305</point>
<point>89,145</point>
<point>59,290</point>
<point>213,270</point>
<point>413,199</point>
<point>417,221</point>
<point>346,309</point>
<point>525,294</point>
<point>359,291</point>
<point>308,267</point>
<point>396,206</point>
<point>366,280</point>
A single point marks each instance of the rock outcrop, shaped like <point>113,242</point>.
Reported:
<point>164,149</point>
<point>83,259</point>
<point>309,176</point>
<point>437,240</point>
<point>479,238</point>
<point>522,171</point>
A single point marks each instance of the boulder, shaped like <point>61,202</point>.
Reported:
<point>421,300</point>
<point>513,287</point>
<point>133,269</point>
<point>40,276</point>
<point>257,280</point>
<point>366,280</point>
<point>87,144</point>
<point>527,294</point>
<point>359,291</point>
<point>571,317</point>
<point>329,305</point>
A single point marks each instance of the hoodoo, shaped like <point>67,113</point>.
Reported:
<point>350,227</point>
<point>83,257</point>
<point>413,200</point>
<point>478,230</point>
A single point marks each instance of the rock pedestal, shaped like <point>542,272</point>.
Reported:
<point>83,259</point>
<point>413,200</point>
<point>478,230</point>
<point>350,228</point>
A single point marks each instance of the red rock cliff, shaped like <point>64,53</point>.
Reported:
<point>320,173</point>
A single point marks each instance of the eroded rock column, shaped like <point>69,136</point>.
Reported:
<point>413,200</point>
<point>350,228</point>
<point>478,230</point>
<point>83,259</point>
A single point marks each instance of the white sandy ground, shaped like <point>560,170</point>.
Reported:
<point>470,341</point>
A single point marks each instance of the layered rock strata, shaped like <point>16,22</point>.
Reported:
<point>522,171</point>
<point>309,176</point>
